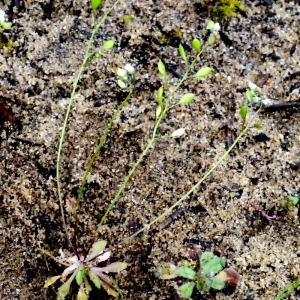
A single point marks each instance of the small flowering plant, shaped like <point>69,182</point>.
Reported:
<point>124,74</point>
<point>83,270</point>
<point>214,29</point>
<point>253,95</point>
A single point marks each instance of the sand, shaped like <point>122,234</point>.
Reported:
<point>221,216</point>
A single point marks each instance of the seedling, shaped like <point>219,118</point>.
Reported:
<point>290,205</point>
<point>209,276</point>
<point>290,202</point>
<point>289,209</point>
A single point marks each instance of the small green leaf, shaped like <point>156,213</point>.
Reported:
<point>243,112</point>
<point>95,4</point>
<point>110,290</point>
<point>51,280</point>
<point>159,96</point>
<point>205,257</point>
<point>217,283</point>
<point>249,94</point>
<point>162,68</point>
<point>182,52</point>
<point>114,267</point>
<point>81,294</point>
<point>196,45</point>
<point>203,72</point>
<point>108,44</point>
<point>167,271</point>
<point>293,200</point>
<point>187,98</point>
<point>187,289</point>
<point>95,279</point>
<point>96,249</point>
<point>64,289</point>
<point>206,284</point>
<point>257,126</point>
<point>186,273</point>
<point>126,18</point>
<point>88,287</point>
<point>215,265</point>
<point>199,286</point>
<point>80,274</point>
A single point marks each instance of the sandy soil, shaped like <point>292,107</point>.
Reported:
<point>36,79</point>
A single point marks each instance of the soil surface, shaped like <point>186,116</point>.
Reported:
<point>222,216</point>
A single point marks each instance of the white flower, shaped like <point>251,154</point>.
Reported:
<point>2,15</point>
<point>121,72</point>
<point>129,68</point>
<point>216,27</point>
<point>213,27</point>
<point>254,87</point>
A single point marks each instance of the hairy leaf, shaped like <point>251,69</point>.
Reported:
<point>96,249</point>
<point>217,283</point>
<point>95,279</point>
<point>187,289</point>
<point>51,280</point>
<point>114,267</point>
<point>80,274</point>
<point>186,273</point>
<point>81,294</point>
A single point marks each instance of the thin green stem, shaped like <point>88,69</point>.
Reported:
<point>152,140</point>
<point>287,290</point>
<point>127,178</point>
<point>63,132</point>
<point>96,151</point>
<point>196,186</point>
<point>184,78</point>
